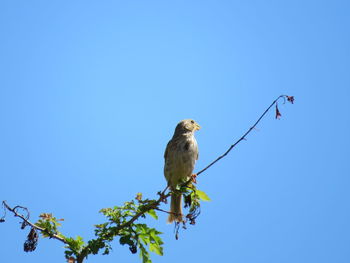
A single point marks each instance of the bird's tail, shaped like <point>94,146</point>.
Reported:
<point>175,208</point>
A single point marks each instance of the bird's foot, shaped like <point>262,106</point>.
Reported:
<point>163,197</point>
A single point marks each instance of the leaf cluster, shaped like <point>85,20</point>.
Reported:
<point>121,223</point>
<point>50,224</point>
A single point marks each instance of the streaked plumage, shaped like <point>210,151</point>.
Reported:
<point>180,157</point>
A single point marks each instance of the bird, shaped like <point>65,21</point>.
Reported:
<point>180,156</point>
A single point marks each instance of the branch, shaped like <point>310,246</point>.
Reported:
<point>136,216</point>
<point>25,219</point>
<point>162,194</point>
<point>155,205</point>
<point>289,98</point>
<point>94,245</point>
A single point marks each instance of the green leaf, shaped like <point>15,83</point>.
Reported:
<point>202,195</point>
<point>145,238</point>
<point>153,214</point>
<point>75,245</point>
<point>154,236</point>
<point>144,254</point>
<point>156,249</point>
<point>80,241</point>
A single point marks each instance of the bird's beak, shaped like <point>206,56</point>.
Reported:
<point>198,127</point>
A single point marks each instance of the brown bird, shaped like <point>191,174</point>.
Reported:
<point>180,157</point>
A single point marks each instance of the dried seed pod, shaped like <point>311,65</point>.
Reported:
<point>133,249</point>
<point>32,241</point>
<point>24,224</point>
<point>188,201</point>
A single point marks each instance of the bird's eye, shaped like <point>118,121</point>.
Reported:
<point>192,121</point>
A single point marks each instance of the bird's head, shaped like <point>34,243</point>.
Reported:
<point>186,126</point>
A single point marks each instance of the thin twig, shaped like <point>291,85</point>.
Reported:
<point>164,211</point>
<point>244,135</point>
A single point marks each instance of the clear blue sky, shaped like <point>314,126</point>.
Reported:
<point>91,91</point>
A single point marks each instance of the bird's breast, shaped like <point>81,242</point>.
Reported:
<point>180,161</point>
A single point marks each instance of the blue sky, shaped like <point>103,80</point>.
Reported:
<point>91,91</point>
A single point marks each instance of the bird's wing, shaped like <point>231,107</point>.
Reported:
<point>171,146</point>
<point>166,150</point>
